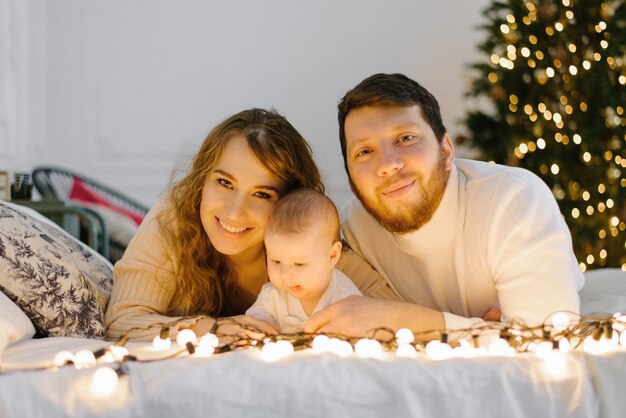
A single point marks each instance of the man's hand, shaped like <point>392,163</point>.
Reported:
<point>356,315</point>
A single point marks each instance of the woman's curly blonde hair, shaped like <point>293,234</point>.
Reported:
<point>205,277</point>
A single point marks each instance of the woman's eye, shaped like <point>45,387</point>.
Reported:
<point>225,183</point>
<point>407,138</point>
<point>275,261</point>
<point>363,152</point>
<point>263,195</point>
<point>298,264</point>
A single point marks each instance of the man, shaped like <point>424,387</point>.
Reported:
<point>459,241</point>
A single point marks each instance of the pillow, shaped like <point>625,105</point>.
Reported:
<point>604,292</point>
<point>83,194</point>
<point>62,285</point>
<point>14,324</point>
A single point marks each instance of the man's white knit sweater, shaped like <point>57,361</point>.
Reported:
<point>497,239</point>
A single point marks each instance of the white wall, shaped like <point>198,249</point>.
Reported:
<point>124,90</point>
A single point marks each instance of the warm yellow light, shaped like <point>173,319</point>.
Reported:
<point>590,259</point>
<point>602,25</point>
<point>510,18</point>
<point>573,70</point>
<point>159,343</point>
<point>550,72</point>
<point>590,210</point>
<point>532,39</point>
<point>523,148</point>
<point>366,347</point>
<point>614,221</point>
<point>601,188</point>
<point>603,254</point>
<point>586,65</point>
<point>582,267</point>
<point>622,79</point>
<point>404,336</point>
<point>571,47</point>
<point>186,336</point>
<point>525,52</point>
<point>597,56</point>
<point>569,14</point>
<point>549,31</point>
<point>504,28</point>
<point>528,109</point>
<point>577,139</point>
<point>609,203</point>
<point>554,168</point>
<point>541,143</point>
<point>587,157</point>
<point>569,109</point>
<point>495,58</point>
<point>575,213</point>
<point>602,234</point>
<point>604,44</point>
<point>493,77</point>
<point>558,26</point>
<point>557,117</point>
<point>104,382</point>
<point>560,321</point>
<point>601,207</point>
<point>586,195</point>
<point>513,98</point>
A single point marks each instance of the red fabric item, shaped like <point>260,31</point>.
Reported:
<point>81,193</point>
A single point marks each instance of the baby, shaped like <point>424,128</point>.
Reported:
<point>303,246</point>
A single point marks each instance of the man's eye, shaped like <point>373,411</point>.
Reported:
<point>225,183</point>
<point>407,138</point>
<point>275,261</point>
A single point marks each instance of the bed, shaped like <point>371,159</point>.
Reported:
<point>307,382</point>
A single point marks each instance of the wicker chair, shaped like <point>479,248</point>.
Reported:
<point>55,184</point>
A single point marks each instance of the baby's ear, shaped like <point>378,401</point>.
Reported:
<point>335,253</point>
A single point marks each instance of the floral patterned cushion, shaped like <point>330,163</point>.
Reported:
<point>60,283</point>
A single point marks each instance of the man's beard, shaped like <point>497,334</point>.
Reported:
<point>409,218</point>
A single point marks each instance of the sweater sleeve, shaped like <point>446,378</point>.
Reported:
<point>368,280</point>
<point>143,284</point>
<point>529,252</point>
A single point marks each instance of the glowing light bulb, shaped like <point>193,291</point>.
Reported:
<point>118,352</point>
<point>84,359</point>
<point>500,347</point>
<point>404,336</point>
<point>104,382</point>
<point>186,336</point>
<point>564,345</point>
<point>436,350</point>
<point>368,348</point>
<point>204,351</point>
<point>321,344</point>
<point>159,343</point>
<point>622,339</point>
<point>560,321</point>
<point>209,340</point>
<point>406,351</point>
<point>285,348</point>
<point>340,347</point>
<point>543,349</point>
<point>62,358</point>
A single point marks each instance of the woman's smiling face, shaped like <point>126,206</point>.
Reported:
<point>237,199</point>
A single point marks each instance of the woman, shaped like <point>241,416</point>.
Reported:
<point>200,249</point>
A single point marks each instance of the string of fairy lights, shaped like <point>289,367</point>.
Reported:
<point>561,333</point>
<point>547,50</point>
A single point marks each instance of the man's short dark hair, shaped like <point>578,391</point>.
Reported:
<point>389,90</point>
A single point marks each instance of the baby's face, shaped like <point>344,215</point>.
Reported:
<point>300,264</point>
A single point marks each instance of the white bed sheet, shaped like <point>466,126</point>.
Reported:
<point>241,384</point>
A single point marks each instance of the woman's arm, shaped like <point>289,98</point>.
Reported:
<point>143,284</point>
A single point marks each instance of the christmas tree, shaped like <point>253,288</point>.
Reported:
<point>555,73</point>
